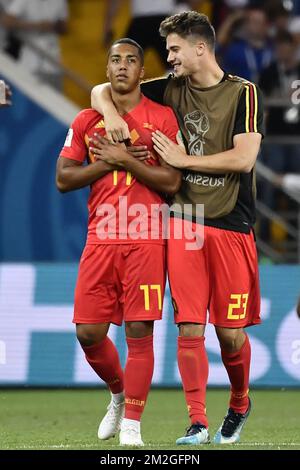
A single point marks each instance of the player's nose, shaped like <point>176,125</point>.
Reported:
<point>170,57</point>
<point>123,65</point>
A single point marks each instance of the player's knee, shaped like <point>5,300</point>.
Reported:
<point>230,339</point>
<point>139,329</point>
<point>87,336</point>
<point>191,329</point>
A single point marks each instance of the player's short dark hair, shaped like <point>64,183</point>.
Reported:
<point>132,42</point>
<point>189,23</point>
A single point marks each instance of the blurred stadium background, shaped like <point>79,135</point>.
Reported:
<point>43,232</point>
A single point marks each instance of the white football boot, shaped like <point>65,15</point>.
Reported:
<point>111,422</point>
<point>130,434</point>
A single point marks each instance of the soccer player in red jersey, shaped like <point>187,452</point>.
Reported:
<point>221,120</point>
<point>122,267</point>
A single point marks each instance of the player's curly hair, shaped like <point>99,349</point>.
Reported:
<point>189,23</point>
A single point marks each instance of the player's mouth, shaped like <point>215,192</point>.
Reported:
<point>122,77</point>
<point>176,67</point>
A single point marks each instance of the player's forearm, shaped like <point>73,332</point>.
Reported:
<point>230,161</point>
<point>76,177</point>
<point>101,99</point>
<point>159,178</point>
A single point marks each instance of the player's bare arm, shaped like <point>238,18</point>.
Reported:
<point>116,128</point>
<point>160,178</point>
<point>240,159</point>
<point>71,174</point>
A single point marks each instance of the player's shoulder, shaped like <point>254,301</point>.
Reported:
<point>240,82</point>
<point>88,114</point>
<point>87,117</point>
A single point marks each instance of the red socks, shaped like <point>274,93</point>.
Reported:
<point>238,366</point>
<point>193,367</point>
<point>104,359</point>
<point>138,375</point>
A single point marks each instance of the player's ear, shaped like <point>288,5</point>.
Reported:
<point>107,72</point>
<point>200,48</point>
<point>142,73</point>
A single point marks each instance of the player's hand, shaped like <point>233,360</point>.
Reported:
<point>109,152</point>
<point>116,128</point>
<point>139,152</point>
<point>172,153</point>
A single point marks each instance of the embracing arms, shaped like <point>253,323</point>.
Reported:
<point>71,174</point>
<point>240,159</point>
<point>162,178</point>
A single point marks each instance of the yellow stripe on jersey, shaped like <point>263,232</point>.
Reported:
<point>255,108</point>
<point>87,143</point>
<point>128,178</point>
<point>247,108</point>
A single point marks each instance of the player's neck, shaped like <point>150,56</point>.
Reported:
<point>126,103</point>
<point>209,75</point>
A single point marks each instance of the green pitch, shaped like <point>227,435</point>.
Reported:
<point>69,419</point>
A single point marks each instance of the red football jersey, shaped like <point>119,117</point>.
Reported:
<point>121,209</point>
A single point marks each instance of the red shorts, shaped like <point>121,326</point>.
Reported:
<point>120,282</point>
<point>220,278</point>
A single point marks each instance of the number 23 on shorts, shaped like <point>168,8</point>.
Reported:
<point>240,302</point>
